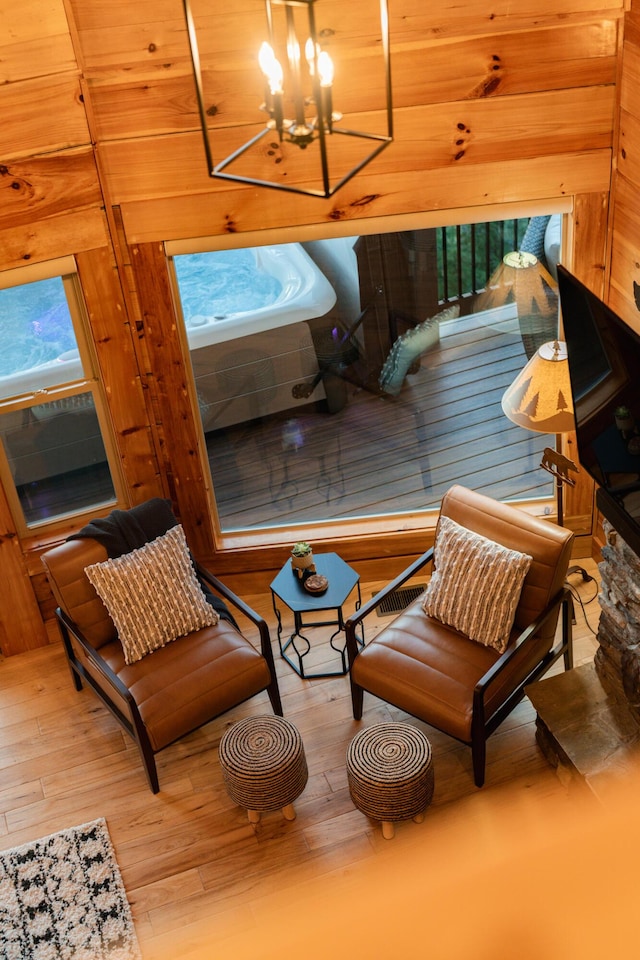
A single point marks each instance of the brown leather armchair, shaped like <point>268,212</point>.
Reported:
<point>172,691</point>
<point>438,674</point>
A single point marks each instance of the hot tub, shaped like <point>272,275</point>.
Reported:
<point>246,314</point>
<point>295,291</point>
<point>62,369</point>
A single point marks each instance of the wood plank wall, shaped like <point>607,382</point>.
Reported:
<point>625,255</point>
<point>101,156</point>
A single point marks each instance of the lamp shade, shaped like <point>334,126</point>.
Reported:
<point>522,280</point>
<point>539,398</point>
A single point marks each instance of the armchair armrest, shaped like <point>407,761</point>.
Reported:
<point>563,597</point>
<point>356,618</point>
<point>131,720</point>
<point>259,622</point>
<point>92,654</point>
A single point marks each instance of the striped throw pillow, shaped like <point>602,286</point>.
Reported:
<point>476,584</point>
<point>152,594</point>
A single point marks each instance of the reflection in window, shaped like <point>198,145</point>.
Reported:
<point>52,444</point>
<point>37,337</point>
<point>372,379</point>
<point>57,457</point>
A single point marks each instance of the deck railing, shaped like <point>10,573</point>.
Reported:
<point>467,255</point>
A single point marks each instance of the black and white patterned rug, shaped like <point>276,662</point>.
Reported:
<point>62,898</point>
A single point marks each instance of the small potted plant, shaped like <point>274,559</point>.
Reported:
<point>302,559</point>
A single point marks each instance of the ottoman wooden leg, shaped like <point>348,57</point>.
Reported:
<point>419,817</point>
<point>288,812</point>
<point>254,816</point>
<point>388,831</point>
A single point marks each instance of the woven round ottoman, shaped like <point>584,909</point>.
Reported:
<point>390,773</point>
<point>264,765</point>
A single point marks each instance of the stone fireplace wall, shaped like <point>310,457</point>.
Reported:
<point>617,659</point>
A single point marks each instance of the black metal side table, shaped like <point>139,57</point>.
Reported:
<point>290,591</point>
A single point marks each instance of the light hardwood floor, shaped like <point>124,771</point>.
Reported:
<point>202,881</point>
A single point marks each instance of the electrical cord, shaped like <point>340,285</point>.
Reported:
<point>586,578</point>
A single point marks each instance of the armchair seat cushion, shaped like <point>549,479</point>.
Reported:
<point>183,684</point>
<point>430,670</point>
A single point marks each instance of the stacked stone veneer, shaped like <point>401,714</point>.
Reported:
<point>617,659</point>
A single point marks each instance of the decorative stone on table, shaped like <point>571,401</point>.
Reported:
<point>316,583</point>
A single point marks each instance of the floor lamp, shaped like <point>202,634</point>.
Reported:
<point>539,399</point>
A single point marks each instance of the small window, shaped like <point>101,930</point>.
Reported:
<point>54,460</point>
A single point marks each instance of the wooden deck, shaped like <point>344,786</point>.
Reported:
<point>385,455</point>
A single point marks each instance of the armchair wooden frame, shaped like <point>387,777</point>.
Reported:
<point>130,718</point>
<point>482,726</point>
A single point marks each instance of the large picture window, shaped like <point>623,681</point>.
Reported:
<point>53,455</point>
<point>361,376</point>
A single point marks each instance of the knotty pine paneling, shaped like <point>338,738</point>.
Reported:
<point>33,189</point>
<point>43,115</point>
<point>628,158</point>
<point>121,34</point>
<point>121,373</point>
<point>55,236</point>
<point>170,383</point>
<point>625,222</point>
<point>429,138</point>
<point>630,78</point>
<point>161,99</point>
<point>233,210</point>
<point>625,256</point>
<point>587,259</point>
<point>573,55</point>
<point>588,256</point>
<point>413,18</point>
<point>21,626</point>
<point>34,40</point>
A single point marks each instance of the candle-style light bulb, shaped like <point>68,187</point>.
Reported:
<point>293,54</point>
<point>325,72</point>
<point>325,68</point>
<point>272,69</point>
<point>308,52</point>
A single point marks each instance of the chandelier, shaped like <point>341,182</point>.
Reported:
<point>304,142</point>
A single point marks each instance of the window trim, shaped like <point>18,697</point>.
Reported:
<point>66,269</point>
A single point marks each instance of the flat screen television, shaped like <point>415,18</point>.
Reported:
<point>604,368</point>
